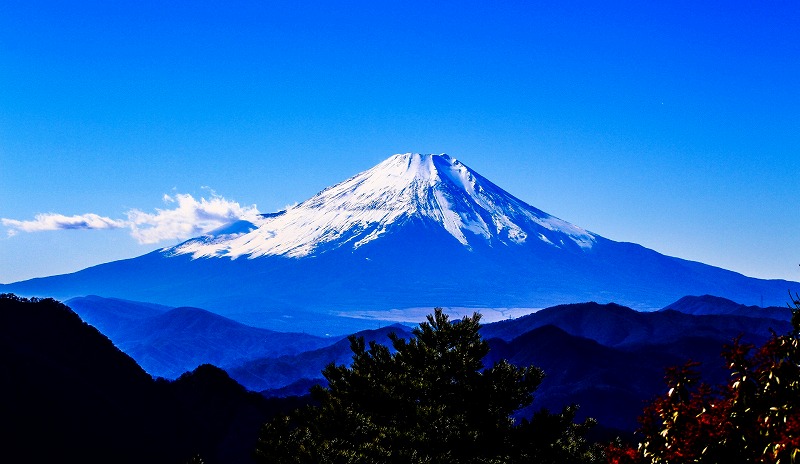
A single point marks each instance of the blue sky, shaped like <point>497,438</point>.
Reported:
<point>674,125</point>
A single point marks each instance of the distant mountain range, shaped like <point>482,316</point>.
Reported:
<point>415,231</point>
<point>167,342</point>
<point>606,357</point>
<point>709,304</point>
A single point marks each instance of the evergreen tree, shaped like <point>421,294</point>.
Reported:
<point>426,400</point>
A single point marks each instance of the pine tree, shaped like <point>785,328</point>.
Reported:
<point>428,399</point>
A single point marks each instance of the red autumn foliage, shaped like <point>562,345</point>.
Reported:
<point>755,418</point>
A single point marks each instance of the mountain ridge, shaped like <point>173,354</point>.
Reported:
<point>168,343</point>
<point>711,305</point>
<point>416,231</point>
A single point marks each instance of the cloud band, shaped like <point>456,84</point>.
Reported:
<point>52,221</point>
<point>190,217</point>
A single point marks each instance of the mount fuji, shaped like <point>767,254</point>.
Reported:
<point>414,232</point>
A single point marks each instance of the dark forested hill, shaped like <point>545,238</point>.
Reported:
<point>610,359</point>
<point>67,385</point>
<point>619,326</point>
<point>68,395</point>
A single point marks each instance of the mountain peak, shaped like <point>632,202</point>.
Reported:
<point>410,166</point>
<point>432,188</point>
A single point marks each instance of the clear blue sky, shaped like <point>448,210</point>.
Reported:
<point>675,125</point>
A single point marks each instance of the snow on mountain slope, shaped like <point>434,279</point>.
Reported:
<point>436,188</point>
<point>412,233</point>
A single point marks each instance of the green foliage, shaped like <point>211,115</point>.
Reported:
<point>426,400</point>
<point>196,459</point>
<point>755,418</point>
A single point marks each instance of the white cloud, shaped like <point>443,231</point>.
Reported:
<point>53,221</point>
<point>189,217</point>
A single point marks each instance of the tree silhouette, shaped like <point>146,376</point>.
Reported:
<point>426,400</point>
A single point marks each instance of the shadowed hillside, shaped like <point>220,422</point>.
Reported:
<point>68,395</point>
<point>167,342</point>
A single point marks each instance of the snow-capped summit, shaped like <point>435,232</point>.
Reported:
<point>436,189</point>
<point>412,233</point>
